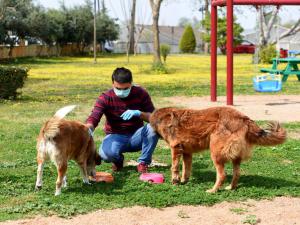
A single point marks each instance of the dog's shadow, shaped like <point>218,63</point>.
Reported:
<point>247,181</point>
<point>200,175</point>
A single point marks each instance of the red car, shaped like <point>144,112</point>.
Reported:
<point>244,47</point>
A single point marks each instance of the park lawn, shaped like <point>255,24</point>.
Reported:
<point>56,82</point>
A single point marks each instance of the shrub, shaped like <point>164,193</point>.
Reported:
<point>188,40</point>
<point>165,51</point>
<point>11,79</point>
<point>267,53</point>
<point>159,68</point>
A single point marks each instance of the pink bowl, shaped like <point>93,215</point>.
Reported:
<point>156,178</point>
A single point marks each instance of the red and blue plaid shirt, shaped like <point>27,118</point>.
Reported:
<point>112,107</point>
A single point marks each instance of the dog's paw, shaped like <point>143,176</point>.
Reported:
<point>92,179</point>
<point>211,191</point>
<point>86,181</point>
<point>184,181</point>
<point>64,183</point>
<point>175,181</point>
<point>230,188</point>
<point>57,192</point>
<point>38,188</point>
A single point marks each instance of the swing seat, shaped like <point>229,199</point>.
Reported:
<point>267,83</point>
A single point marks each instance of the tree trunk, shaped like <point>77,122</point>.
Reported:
<point>132,27</point>
<point>271,23</point>
<point>262,40</point>
<point>10,51</point>
<point>206,6</point>
<point>155,5</point>
<point>139,35</point>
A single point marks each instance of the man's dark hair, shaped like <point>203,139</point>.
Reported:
<point>122,75</point>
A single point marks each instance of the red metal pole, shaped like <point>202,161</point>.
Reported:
<point>229,52</point>
<point>213,54</point>
<point>267,2</point>
<point>257,2</point>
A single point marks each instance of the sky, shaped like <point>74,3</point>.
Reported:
<point>173,10</point>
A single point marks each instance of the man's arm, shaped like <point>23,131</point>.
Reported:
<point>91,126</point>
<point>97,112</point>
<point>145,116</point>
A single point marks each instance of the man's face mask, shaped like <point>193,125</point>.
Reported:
<point>122,93</point>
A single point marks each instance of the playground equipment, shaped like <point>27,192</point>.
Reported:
<point>268,82</point>
<point>229,4</point>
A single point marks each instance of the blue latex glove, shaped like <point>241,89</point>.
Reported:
<point>128,114</point>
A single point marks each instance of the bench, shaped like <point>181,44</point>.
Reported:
<point>290,69</point>
<point>266,70</point>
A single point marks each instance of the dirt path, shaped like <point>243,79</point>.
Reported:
<point>283,108</point>
<point>280,211</point>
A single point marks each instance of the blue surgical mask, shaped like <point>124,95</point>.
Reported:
<point>122,93</point>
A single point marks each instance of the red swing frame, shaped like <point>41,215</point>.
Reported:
<point>214,19</point>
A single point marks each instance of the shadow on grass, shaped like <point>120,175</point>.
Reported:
<point>55,60</point>
<point>245,180</point>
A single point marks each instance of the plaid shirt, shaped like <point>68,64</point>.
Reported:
<point>112,107</point>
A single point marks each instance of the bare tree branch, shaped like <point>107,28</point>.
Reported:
<point>271,23</point>
<point>294,29</point>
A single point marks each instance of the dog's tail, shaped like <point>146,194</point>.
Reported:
<point>61,113</point>
<point>51,128</point>
<point>274,134</point>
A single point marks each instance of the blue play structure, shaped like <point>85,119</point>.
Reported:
<point>267,83</point>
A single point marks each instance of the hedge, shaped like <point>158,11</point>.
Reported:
<point>11,79</point>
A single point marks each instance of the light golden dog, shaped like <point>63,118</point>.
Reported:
<point>229,134</point>
<point>61,140</point>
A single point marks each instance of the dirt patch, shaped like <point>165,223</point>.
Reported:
<point>280,211</point>
<point>283,108</point>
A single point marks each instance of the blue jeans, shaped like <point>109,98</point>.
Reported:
<point>113,145</point>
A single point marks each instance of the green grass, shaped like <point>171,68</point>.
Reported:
<point>56,82</point>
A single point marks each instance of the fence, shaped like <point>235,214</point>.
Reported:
<point>39,50</point>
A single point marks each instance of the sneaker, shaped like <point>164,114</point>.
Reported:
<point>142,167</point>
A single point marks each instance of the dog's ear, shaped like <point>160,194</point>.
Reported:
<point>97,159</point>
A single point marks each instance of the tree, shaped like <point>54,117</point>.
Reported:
<point>184,21</point>
<point>81,18</point>
<point>107,28</point>
<point>222,32</point>
<point>155,6</point>
<point>39,27</point>
<point>14,22</point>
<point>132,27</point>
<point>142,18</point>
<point>267,19</point>
<point>188,41</point>
<point>57,20</point>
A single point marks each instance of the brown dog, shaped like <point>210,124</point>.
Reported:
<point>61,140</point>
<point>228,134</point>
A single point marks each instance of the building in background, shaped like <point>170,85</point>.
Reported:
<point>170,35</point>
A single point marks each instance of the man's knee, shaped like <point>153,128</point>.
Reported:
<point>110,150</point>
<point>107,154</point>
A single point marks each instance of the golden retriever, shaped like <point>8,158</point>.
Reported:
<point>229,134</point>
<point>61,140</point>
